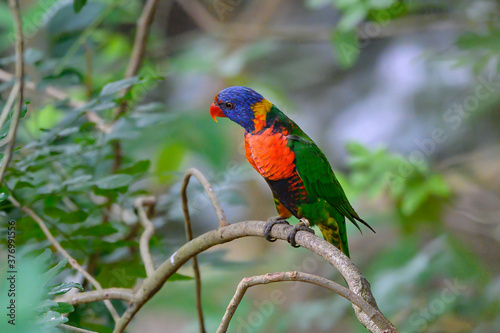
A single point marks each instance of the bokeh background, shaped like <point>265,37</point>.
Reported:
<point>402,96</point>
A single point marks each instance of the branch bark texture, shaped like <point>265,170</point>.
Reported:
<point>248,282</point>
<point>355,280</point>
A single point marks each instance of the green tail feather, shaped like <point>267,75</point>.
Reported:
<point>335,233</point>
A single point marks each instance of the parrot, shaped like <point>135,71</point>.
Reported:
<point>298,173</point>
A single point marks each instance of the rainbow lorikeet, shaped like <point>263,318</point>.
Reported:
<point>297,171</point>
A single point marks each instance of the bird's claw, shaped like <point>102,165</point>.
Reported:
<point>303,225</point>
<point>269,225</point>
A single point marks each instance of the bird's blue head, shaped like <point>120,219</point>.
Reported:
<point>242,105</point>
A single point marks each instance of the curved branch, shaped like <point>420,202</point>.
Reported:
<point>65,253</point>
<point>293,276</point>
<point>149,230</point>
<point>123,294</point>
<point>189,232</point>
<point>210,192</point>
<point>355,280</point>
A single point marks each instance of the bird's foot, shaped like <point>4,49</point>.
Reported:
<point>303,225</point>
<point>269,225</point>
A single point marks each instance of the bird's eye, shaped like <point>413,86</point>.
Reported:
<point>228,105</point>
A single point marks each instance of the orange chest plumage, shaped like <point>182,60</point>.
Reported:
<point>270,155</point>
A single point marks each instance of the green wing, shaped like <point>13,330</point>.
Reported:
<point>319,179</point>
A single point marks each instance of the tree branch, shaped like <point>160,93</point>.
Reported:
<point>295,276</point>
<point>355,280</point>
<point>141,38</point>
<point>149,230</point>
<point>210,192</point>
<point>189,232</point>
<point>65,253</point>
<point>123,294</point>
<point>11,136</point>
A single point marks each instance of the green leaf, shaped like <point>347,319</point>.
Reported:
<point>45,306</point>
<point>77,180</point>
<point>4,193</point>
<point>54,212</point>
<point>114,181</point>
<point>65,20</point>
<point>412,199</point>
<point>380,4</point>
<point>99,230</point>
<point>438,186</point>
<point>51,319</point>
<point>78,5</point>
<point>139,167</point>
<point>352,16</point>
<point>179,277</point>
<point>63,288</point>
<point>114,87</point>
<point>169,159</point>
<point>346,46</point>
<point>54,271</point>
<point>63,307</point>
<point>75,217</point>
<point>45,256</point>
<point>51,305</point>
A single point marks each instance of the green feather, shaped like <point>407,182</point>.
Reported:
<point>320,182</point>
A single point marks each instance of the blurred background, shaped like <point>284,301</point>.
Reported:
<point>401,96</point>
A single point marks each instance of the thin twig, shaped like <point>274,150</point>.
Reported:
<point>69,328</point>
<point>123,294</point>
<point>11,136</point>
<point>149,230</point>
<point>141,38</point>
<point>61,96</point>
<point>292,276</point>
<point>189,232</point>
<point>65,253</point>
<point>136,59</point>
<point>210,192</point>
<point>221,216</point>
<point>356,281</point>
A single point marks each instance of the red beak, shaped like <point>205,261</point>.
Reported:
<point>215,111</point>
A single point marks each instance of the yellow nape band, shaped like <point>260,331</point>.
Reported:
<point>260,110</point>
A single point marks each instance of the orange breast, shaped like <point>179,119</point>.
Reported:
<point>269,154</point>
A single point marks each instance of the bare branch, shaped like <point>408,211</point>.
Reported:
<point>149,230</point>
<point>65,253</point>
<point>355,280</point>
<point>141,38</point>
<point>189,232</point>
<point>293,276</point>
<point>11,136</point>
<point>210,192</point>
<point>123,294</point>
